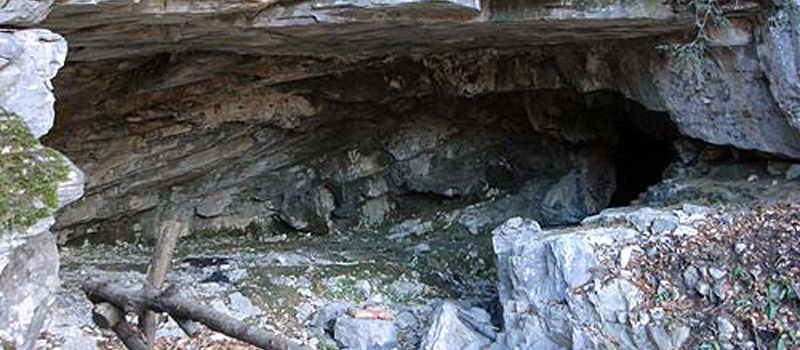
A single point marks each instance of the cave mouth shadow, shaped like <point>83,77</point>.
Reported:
<point>637,140</point>
<point>643,151</point>
<point>640,161</point>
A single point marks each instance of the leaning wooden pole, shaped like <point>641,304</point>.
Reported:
<point>157,274</point>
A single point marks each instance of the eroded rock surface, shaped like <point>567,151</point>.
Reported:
<point>320,116</point>
<point>322,154</point>
<point>34,181</point>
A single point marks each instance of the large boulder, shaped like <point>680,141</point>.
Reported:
<point>556,293</point>
<point>34,182</point>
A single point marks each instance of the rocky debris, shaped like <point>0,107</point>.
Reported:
<point>548,295</point>
<point>299,286</point>
<point>365,334</point>
<point>457,328</point>
<point>617,283</point>
<point>557,292</point>
<point>740,277</point>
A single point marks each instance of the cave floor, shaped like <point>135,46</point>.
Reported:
<point>286,282</point>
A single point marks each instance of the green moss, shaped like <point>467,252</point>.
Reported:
<point>7,345</point>
<point>29,175</point>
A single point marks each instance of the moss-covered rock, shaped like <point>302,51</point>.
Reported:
<point>29,175</point>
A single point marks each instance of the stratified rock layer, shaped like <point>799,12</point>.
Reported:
<point>317,114</point>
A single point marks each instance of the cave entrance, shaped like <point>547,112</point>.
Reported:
<point>342,190</point>
<point>638,141</point>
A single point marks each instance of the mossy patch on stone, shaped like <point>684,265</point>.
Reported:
<point>29,175</point>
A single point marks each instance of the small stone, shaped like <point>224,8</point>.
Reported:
<point>752,178</point>
<point>703,288</point>
<point>304,311</point>
<point>739,248</point>
<point>664,225</point>
<point>695,210</point>
<point>242,306</point>
<point>327,314</point>
<point>365,334</point>
<point>725,329</point>
<point>376,299</point>
<point>685,231</point>
<point>716,273</point>
<point>727,219</point>
<point>422,248</point>
<point>405,319</point>
<point>652,251</point>
<point>364,286</point>
<point>625,255</point>
<point>690,277</point>
<point>658,313</point>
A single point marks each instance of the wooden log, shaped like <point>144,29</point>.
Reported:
<point>132,339</point>
<point>178,307</point>
<point>108,316</point>
<point>157,274</point>
<point>189,327</point>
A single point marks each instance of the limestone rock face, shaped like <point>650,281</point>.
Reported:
<point>24,12</point>
<point>29,59</point>
<point>778,53</point>
<point>735,106</point>
<point>34,182</point>
<point>556,293</point>
<point>357,28</point>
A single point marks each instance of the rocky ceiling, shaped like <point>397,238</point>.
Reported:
<point>188,97</point>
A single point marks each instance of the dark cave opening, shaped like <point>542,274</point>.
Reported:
<point>640,163</point>
<point>637,140</point>
<point>643,151</point>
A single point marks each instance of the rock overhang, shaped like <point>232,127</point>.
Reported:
<point>100,30</point>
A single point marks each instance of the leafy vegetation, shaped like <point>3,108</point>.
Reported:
<point>693,55</point>
<point>710,15</point>
<point>29,175</point>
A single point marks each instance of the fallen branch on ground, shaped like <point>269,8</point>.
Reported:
<point>179,308</point>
